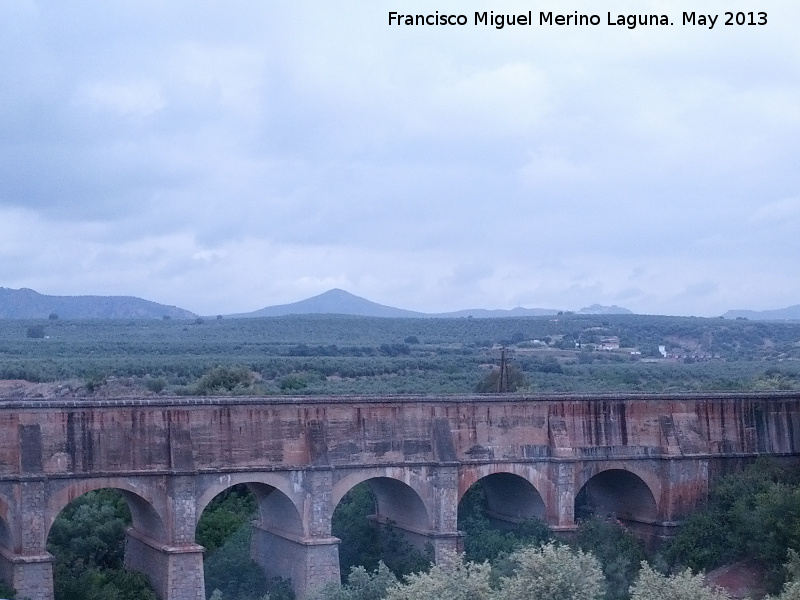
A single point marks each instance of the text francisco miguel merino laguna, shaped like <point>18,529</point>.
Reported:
<point>498,21</point>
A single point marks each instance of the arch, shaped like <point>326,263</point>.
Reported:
<point>618,493</point>
<point>145,516</point>
<point>510,498</point>
<point>396,498</point>
<point>276,539</point>
<point>276,508</point>
<point>592,469</point>
<point>394,525</point>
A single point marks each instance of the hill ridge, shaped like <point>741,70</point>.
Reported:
<point>26,303</point>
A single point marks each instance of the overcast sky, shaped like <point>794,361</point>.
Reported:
<point>226,156</point>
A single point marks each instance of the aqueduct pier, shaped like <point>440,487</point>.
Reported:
<point>643,458</point>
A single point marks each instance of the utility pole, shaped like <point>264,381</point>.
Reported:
<point>502,381</point>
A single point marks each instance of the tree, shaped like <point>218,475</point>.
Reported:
<point>221,380</point>
<point>491,381</point>
<point>652,585</point>
<point>553,572</point>
<point>226,514</point>
<point>620,553</point>
<point>366,543</point>
<point>791,589</point>
<point>485,541</point>
<point>35,332</point>
<point>361,585</point>
<point>450,579</point>
<point>88,542</point>
<point>753,514</point>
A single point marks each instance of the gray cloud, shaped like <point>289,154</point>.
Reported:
<point>286,148</point>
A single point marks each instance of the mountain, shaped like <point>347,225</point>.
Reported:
<point>599,309</point>
<point>485,313</point>
<point>337,302</point>
<point>791,313</point>
<point>344,303</point>
<point>29,304</point>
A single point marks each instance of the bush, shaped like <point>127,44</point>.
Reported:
<point>553,572</point>
<point>366,543</point>
<point>754,514</point>
<point>225,515</point>
<point>35,332</point>
<point>651,585</point>
<point>620,553</point>
<point>292,383</point>
<point>156,385</point>
<point>361,585</point>
<point>221,380</point>
<point>450,579</point>
<point>483,541</point>
<point>491,381</point>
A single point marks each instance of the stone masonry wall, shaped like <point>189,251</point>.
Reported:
<point>185,435</point>
<point>167,452</point>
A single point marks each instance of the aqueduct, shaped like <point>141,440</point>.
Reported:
<point>643,458</point>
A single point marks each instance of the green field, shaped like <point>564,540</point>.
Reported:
<point>326,354</point>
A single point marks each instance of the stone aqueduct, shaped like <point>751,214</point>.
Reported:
<point>644,458</point>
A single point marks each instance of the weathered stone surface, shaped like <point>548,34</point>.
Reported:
<point>647,458</point>
<point>175,572</point>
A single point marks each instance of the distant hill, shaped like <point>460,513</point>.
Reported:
<point>791,313</point>
<point>599,309</point>
<point>484,313</point>
<point>340,302</point>
<point>336,302</point>
<point>29,304</point>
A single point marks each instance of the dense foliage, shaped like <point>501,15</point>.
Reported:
<point>483,540</point>
<point>652,585</point>
<point>619,552</point>
<point>87,540</point>
<point>324,354</point>
<point>368,544</point>
<point>754,514</point>
<point>224,531</point>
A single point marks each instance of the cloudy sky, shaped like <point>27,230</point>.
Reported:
<point>225,156</point>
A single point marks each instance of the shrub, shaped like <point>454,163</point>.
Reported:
<point>651,585</point>
<point>222,379</point>
<point>553,572</point>
<point>155,385</point>
<point>35,332</point>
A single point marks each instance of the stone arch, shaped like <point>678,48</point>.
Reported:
<point>147,519</point>
<point>279,535</point>
<point>638,469</point>
<point>399,522</point>
<point>397,497</point>
<point>510,497</point>
<point>277,501</point>
<point>619,493</point>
